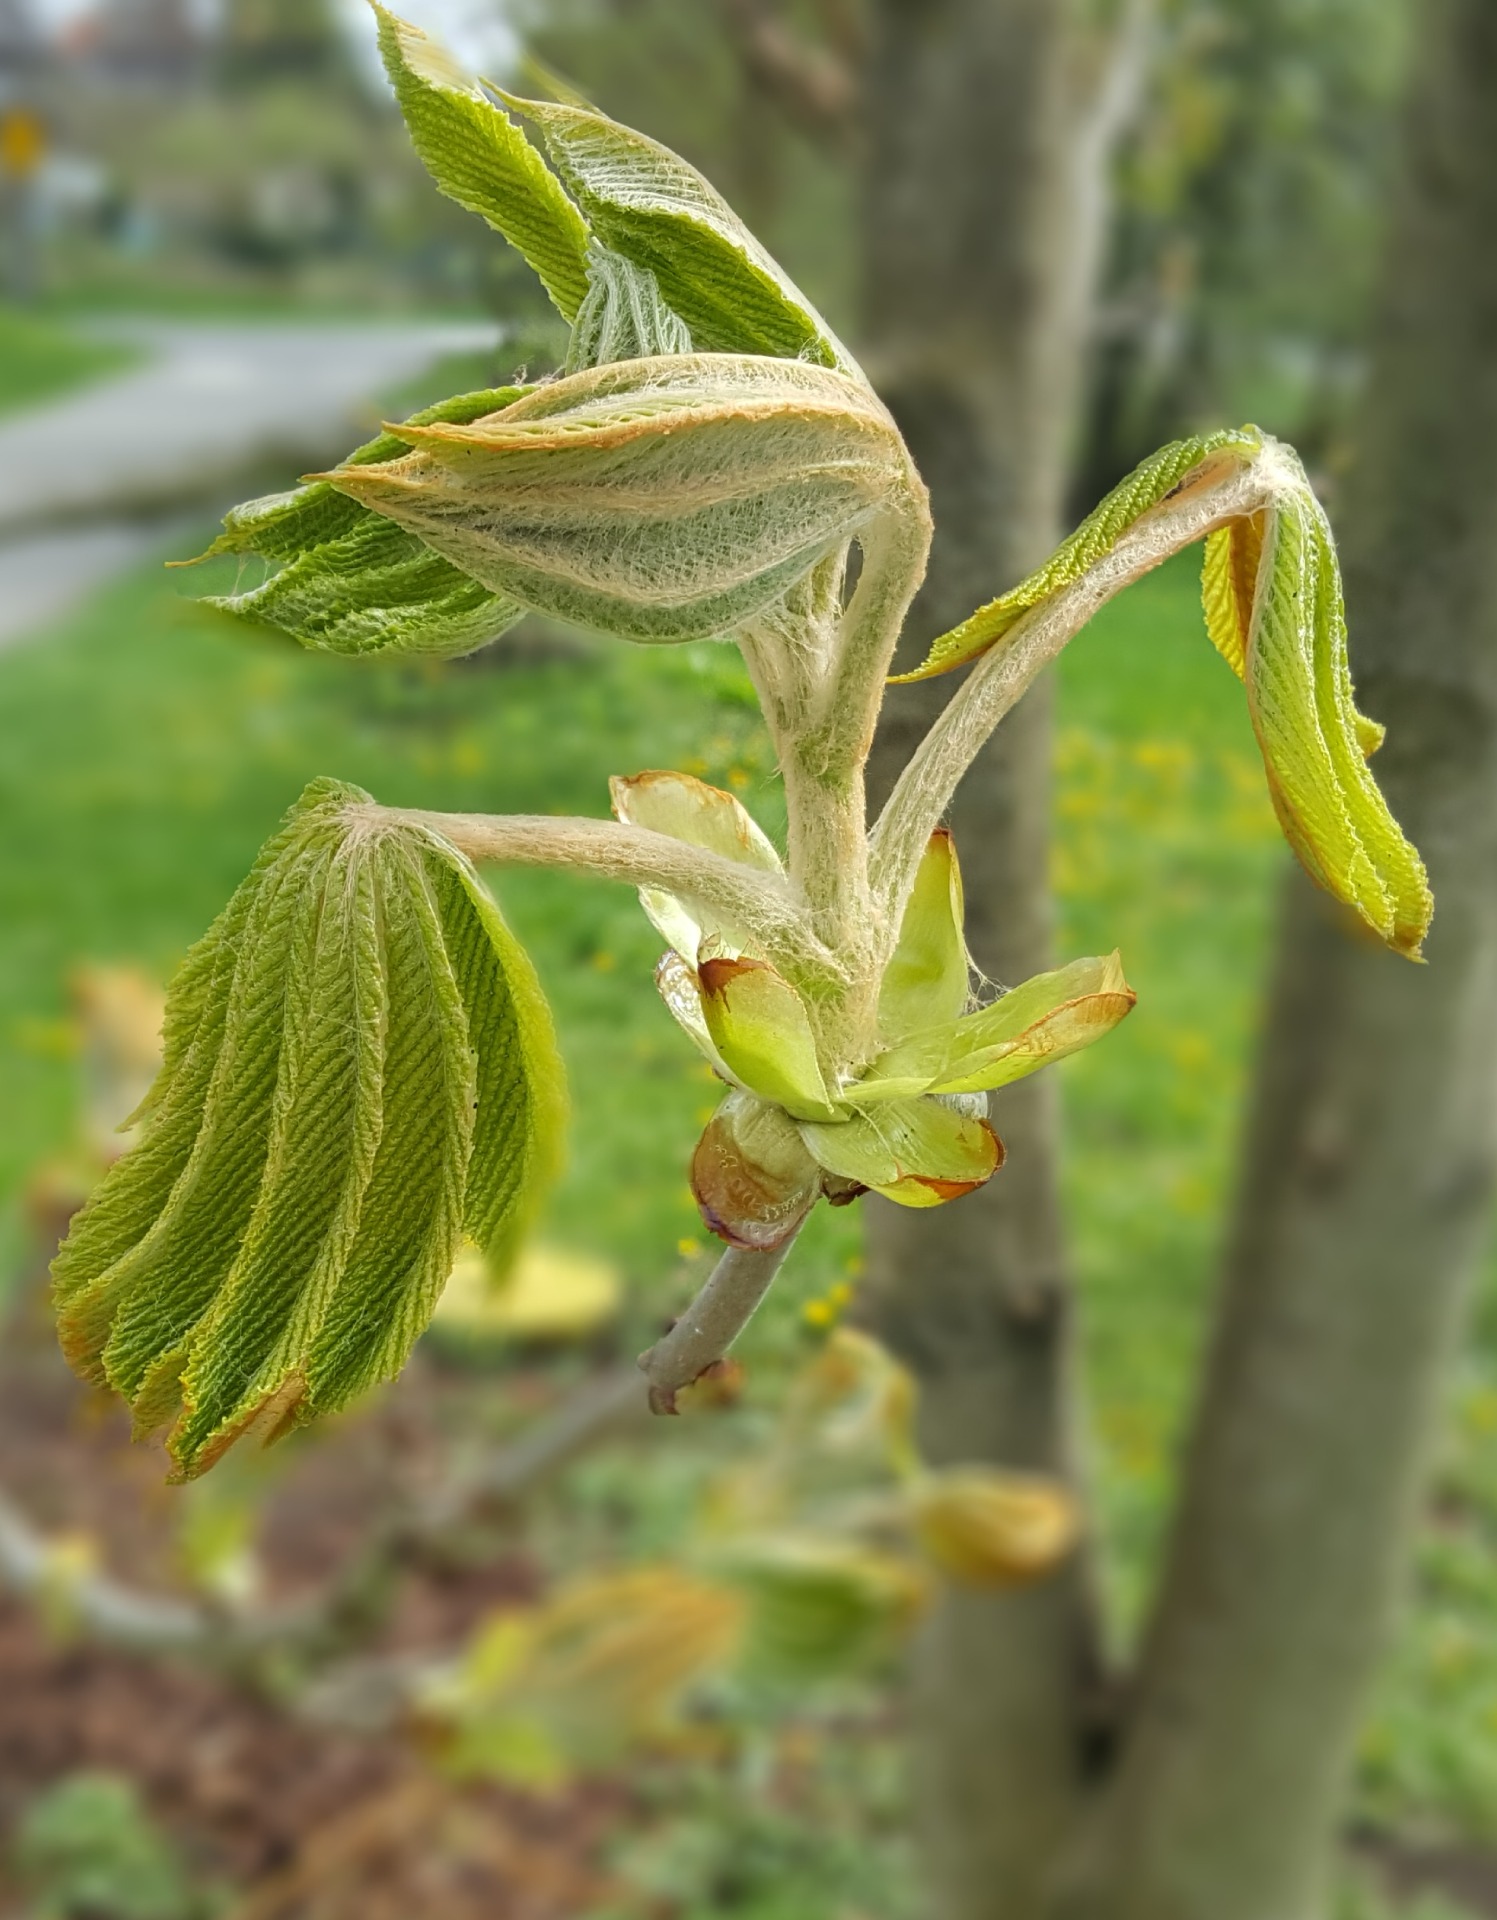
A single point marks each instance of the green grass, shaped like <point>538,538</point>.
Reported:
<point>41,358</point>
<point>149,747</point>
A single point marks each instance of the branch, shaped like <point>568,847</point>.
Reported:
<point>1000,677</point>
<point>816,87</point>
<point>762,904</point>
<point>713,1321</point>
<point>1118,91</point>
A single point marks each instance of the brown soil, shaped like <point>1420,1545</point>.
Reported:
<point>305,1822</point>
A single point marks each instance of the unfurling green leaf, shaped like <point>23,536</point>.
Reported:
<point>352,582</point>
<point>359,1070</point>
<point>648,204</point>
<point>1041,1021</point>
<point>1314,742</point>
<point>760,1026</point>
<point>665,499</point>
<point>623,316</point>
<point>689,810</point>
<point>1173,467</point>
<point>927,979</point>
<point>480,158</point>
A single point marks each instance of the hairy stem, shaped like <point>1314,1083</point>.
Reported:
<point>713,1321</point>
<point>1001,677</point>
<point>761,903</point>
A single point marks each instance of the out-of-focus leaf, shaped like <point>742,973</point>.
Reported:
<point>992,1529</point>
<point>480,158</point>
<point>359,1068</point>
<point>1048,1017</point>
<point>918,1152</point>
<point>579,1680</point>
<point>1174,467</point>
<point>688,809</point>
<point>649,205</point>
<point>752,1176</point>
<point>927,979</point>
<point>665,499</point>
<point>822,1605</point>
<point>350,581</point>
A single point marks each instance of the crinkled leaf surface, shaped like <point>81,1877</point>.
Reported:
<point>688,809</point>
<point>480,158</point>
<point>350,581</point>
<point>1048,1017</point>
<point>1161,474</point>
<point>651,206</point>
<point>623,316</point>
<point>359,1070</point>
<point>663,499</point>
<point>1313,740</point>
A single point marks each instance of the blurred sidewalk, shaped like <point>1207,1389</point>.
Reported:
<point>94,482</point>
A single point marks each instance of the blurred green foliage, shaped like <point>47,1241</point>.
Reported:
<point>40,359</point>
<point>87,1849</point>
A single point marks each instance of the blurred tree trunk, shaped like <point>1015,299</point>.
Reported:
<point>1364,1205</point>
<point>989,126</point>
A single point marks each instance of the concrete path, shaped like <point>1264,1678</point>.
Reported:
<point>93,483</point>
<point>209,402</point>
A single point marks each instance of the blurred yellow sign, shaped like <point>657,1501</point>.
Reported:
<point>23,141</point>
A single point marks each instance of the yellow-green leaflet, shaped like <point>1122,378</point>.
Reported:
<point>480,158</point>
<point>926,981</point>
<point>648,204</point>
<point>662,499</point>
<point>688,809</point>
<point>350,581</point>
<point>359,1071</point>
<point>1098,534</point>
<point>1041,1021</point>
<point>1314,742</point>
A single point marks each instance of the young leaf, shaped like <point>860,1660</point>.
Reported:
<point>480,158</point>
<point>1300,698</point>
<point>353,582</point>
<point>665,499</point>
<point>623,316</point>
<point>918,1152</point>
<point>1163,473</point>
<point>927,979</point>
<point>1048,1017</point>
<point>688,809</point>
<point>649,205</point>
<point>759,1025</point>
<point>359,1069</point>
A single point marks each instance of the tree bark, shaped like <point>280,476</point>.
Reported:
<point>1365,1199</point>
<point>989,124</point>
